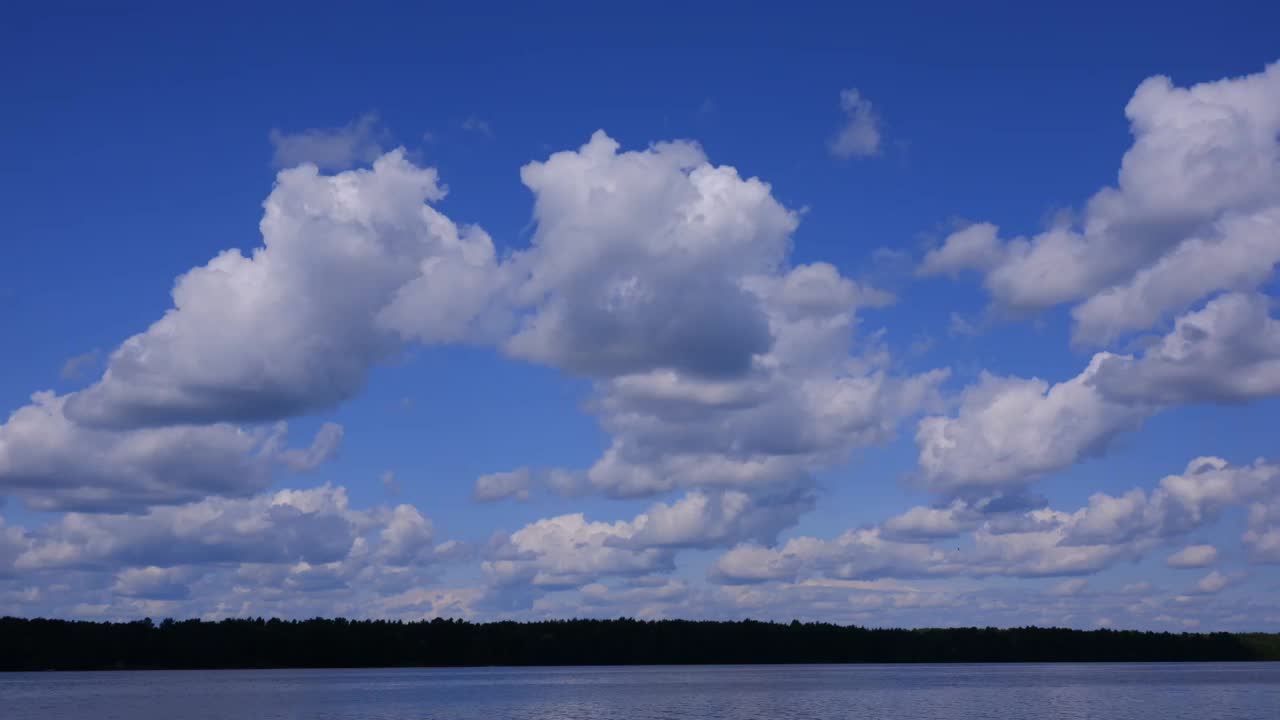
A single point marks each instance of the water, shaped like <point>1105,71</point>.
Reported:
<point>1205,691</point>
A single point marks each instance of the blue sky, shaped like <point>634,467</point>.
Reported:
<point>868,315</point>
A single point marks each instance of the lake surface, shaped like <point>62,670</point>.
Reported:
<point>1203,691</point>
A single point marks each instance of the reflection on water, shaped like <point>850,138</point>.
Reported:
<point>813,692</point>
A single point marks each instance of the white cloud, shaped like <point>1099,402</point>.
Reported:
<point>976,247</point>
<point>75,367</point>
<point>860,135</point>
<point>323,448</point>
<point>1228,351</point>
<point>1193,556</point>
<point>569,550</point>
<point>926,524</point>
<point>1237,253</point>
<point>498,486</point>
<point>1194,211</point>
<point>153,583</point>
<point>297,325</point>
<point>52,463</point>
<point>638,258</point>
<point>664,278</point>
<point>1068,588</point>
<point>1263,534</point>
<point>343,148</point>
<point>997,539</point>
<point>1212,583</point>
<point>1008,431</point>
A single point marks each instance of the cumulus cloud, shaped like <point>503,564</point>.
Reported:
<point>322,449</point>
<point>53,463</point>
<point>497,486</point>
<point>664,279</point>
<point>297,325</point>
<point>1194,211</point>
<point>860,135</point>
<point>996,539</point>
<point>1008,431</point>
<point>289,526</point>
<point>637,261</point>
<point>1229,351</point>
<point>569,550</point>
<point>1212,583</point>
<point>1263,535</point>
<point>1193,556</point>
<point>153,583</point>
<point>354,144</point>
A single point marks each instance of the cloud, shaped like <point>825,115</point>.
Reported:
<point>476,125</point>
<point>927,524</point>
<point>351,264</point>
<point>323,448</point>
<point>52,463</point>
<point>1229,351</point>
<point>1000,539</point>
<point>315,528</point>
<point>76,367</point>
<point>153,583</point>
<point>1068,588</point>
<point>638,258</point>
<point>1263,535</point>
<point>343,148</point>
<point>568,550</point>
<point>663,278</point>
<point>1194,211</point>
<point>976,247</point>
<point>1212,583</point>
<point>498,486</point>
<point>1008,430</point>
<point>860,135</point>
<point>389,482</point>
<point>1193,556</point>
<point>1236,253</point>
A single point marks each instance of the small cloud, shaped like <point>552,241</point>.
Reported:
<point>1195,556</point>
<point>1136,588</point>
<point>476,125</point>
<point>1067,588</point>
<point>354,144</point>
<point>76,367</point>
<point>389,482</point>
<point>921,345</point>
<point>860,136</point>
<point>406,403</point>
<point>429,137</point>
<point>323,448</point>
<point>707,107</point>
<point>1212,583</point>
<point>960,325</point>
<point>498,486</point>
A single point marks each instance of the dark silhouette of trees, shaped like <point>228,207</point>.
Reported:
<point>38,644</point>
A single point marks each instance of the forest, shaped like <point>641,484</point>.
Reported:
<point>40,644</point>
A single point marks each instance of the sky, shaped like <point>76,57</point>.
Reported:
<point>909,316</point>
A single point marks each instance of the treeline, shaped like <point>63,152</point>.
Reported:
<point>256,643</point>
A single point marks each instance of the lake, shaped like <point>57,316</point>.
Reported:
<point>1200,691</point>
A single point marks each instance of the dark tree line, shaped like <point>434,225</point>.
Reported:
<point>257,643</point>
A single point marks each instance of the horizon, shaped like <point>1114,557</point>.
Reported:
<point>864,316</point>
